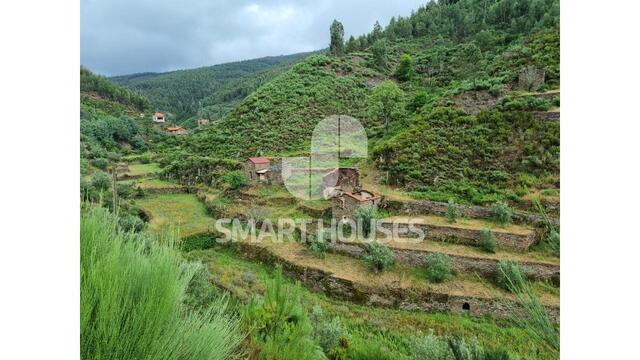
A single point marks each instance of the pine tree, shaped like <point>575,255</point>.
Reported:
<point>405,71</point>
<point>336,47</point>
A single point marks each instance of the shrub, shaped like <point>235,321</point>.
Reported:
<point>101,180</point>
<point>131,300</point>
<point>235,179</point>
<point>379,256</point>
<point>367,217</point>
<point>501,213</point>
<point>439,267</point>
<point>200,292</point>
<point>330,335</point>
<point>100,163</point>
<point>430,347</point>
<point>467,349</point>
<point>318,246</point>
<point>487,241</point>
<point>554,242</point>
<point>128,223</point>
<point>279,324</point>
<point>113,156</point>
<point>510,276</point>
<point>145,159</point>
<point>198,242</point>
<point>125,190</point>
<point>452,213</point>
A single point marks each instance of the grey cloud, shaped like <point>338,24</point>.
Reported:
<point>121,37</point>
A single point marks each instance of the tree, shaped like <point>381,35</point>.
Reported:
<point>379,51</point>
<point>405,71</point>
<point>352,44</point>
<point>377,31</point>
<point>387,102</point>
<point>336,47</point>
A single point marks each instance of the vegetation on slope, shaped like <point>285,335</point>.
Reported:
<point>134,300</point>
<point>409,107</point>
<point>209,92</point>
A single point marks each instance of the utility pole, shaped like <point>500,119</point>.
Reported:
<point>115,190</point>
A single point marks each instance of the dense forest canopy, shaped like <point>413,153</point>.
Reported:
<point>210,91</point>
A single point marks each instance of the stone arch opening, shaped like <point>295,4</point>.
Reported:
<point>466,307</point>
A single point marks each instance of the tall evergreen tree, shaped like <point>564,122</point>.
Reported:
<point>379,51</point>
<point>336,47</point>
<point>352,44</point>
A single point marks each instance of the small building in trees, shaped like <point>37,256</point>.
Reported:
<point>158,117</point>
<point>176,130</point>
<point>202,122</point>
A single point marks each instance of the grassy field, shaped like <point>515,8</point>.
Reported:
<point>143,169</point>
<point>388,330</point>
<point>182,212</point>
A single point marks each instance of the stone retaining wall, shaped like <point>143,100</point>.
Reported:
<point>390,296</point>
<point>484,267</point>
<point>419,207</point>
<point>456,235</point>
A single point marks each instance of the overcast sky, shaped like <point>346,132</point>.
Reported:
<point>128,36</point>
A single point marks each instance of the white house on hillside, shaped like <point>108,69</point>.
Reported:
<point>158,117</point>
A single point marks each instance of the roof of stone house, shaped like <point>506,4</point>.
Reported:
<point>158,114</point>
<point>175,128</point>
<point>259,160</point>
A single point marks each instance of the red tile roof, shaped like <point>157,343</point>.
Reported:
<point>175,128</point>
<point>159,114</point>
<point>259,160</point>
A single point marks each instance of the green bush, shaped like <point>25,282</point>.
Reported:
<point>439,267</point>
<point>200,291</point>
<point>131,304</point>
<point>101,180</point>
<point>280,327</point>
<point>501,213</point>
<point>379,256</point>
<point>198,242</point>
<point>318,246</point>
<point>145,159</point>
<point>430,347</point>
<point>235,179</point>
<point>100,163</point>
<point>330,334</point>
<point>510,276</point>
<point>125,190</point>
<point>367,217</point>
<point>487,241</point>
<point>452,213</point>
<point>129,222</point>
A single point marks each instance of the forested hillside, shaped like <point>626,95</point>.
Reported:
<point>110,119</point>
<point>418,85</point>
<point>209,92</point>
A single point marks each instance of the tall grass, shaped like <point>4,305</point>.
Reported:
<point>534,319</point>
<point>131,303</point>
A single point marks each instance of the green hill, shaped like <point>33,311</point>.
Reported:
<point>110,118</point>
<point>469,49</point>
<point>210,91</point>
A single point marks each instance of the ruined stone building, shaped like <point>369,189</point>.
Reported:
<point>262,169</point>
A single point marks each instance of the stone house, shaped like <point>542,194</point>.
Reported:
<point>177,130</point>
<point>344,206</point>
<point>158,117</point>
<point>202,122</point>
<point>344,179</point>
<point>263,169</point>
<point>256,169</point>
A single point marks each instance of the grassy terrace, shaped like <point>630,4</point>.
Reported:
<point>403,276</point>
<point>471,224</point>
<point>142,169</point>
<point>388,328</point>
<point>182,212</point>
<point>149,183</point>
